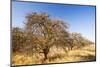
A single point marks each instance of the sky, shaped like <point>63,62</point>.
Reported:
<point>80,18</point>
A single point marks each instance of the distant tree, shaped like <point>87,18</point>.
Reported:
<point>46,31</point>
<point>18,39</point>
<point>78,40</point>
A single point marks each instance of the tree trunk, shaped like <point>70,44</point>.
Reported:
<point>45,51</point>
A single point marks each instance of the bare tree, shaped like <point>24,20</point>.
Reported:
<point>78,40</point>
<point>18,39</point>
<point>47,32</point>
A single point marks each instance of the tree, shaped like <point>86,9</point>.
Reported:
<point>18,39</point>
<point>46,31</point>
<point>78,40</point>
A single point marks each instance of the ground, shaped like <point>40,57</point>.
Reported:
<point>86,53</point>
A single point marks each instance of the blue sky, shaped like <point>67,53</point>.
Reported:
<point>80,18</point>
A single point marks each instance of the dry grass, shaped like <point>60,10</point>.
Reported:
<point>86,53</point>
